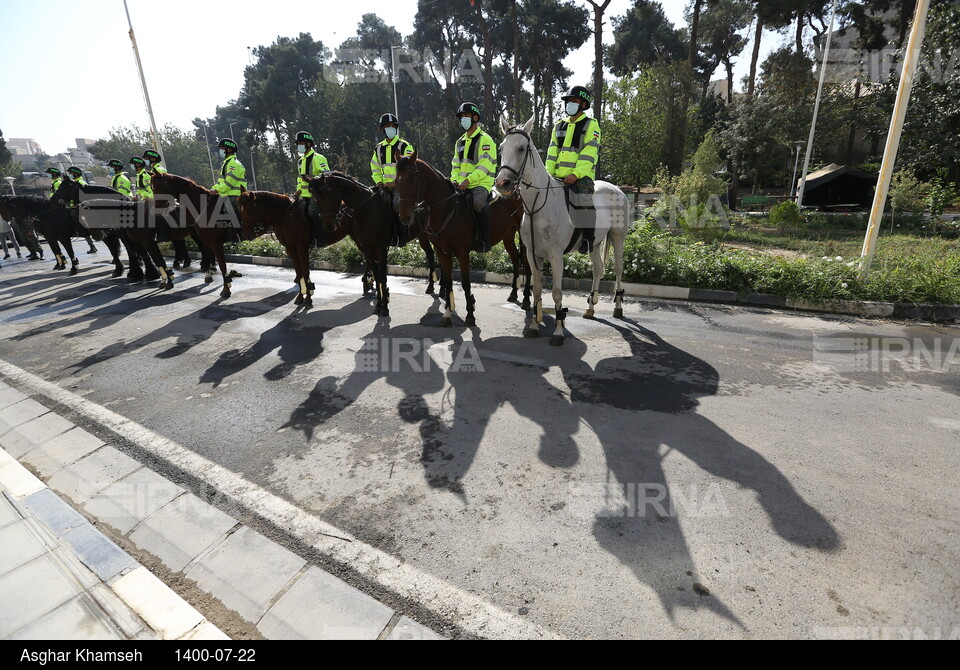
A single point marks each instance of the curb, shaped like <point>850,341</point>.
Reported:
<point>259,585</point>
<point>934,313</point>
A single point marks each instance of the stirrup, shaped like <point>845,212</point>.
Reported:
<point>586,246</point>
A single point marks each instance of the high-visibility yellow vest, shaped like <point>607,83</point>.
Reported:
<point>386,155</point>
<point>121,183</point>
<point>574,148</point>
<point>312,165</point>
<point>55,186</point>
<point>233,177</point>
<point>475,159</point>
<point>144,184</point>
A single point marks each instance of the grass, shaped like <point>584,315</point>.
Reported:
<point>916,263</point>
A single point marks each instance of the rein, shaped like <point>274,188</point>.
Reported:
<point>423,206</point>
<point>519,175</point>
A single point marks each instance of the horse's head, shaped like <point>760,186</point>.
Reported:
<point>409,187</point>
<point>6,209</point>
<point>329,200</point>
<point>515,153</point>
<point>68,192</point>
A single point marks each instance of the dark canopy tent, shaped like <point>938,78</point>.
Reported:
<point>839,185</point>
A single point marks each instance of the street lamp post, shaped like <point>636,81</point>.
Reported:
<point>213,174</point>
<point>393,76</point>
<point>231,130</point>
<point>10,181</point>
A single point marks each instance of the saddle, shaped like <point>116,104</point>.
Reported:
<point>583,216</point>
<point>465,198</point>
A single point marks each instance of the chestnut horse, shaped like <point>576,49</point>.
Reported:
<point>262,212</point>
<point>450,225</point>
<point>199,206</point>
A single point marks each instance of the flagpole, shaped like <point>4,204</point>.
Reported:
<point>143,85</point>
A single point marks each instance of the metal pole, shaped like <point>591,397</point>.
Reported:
<point>893,137</point>
<point>143,85</point>
<point>816,108</point>
<point>10,181</point>
<point>231,130</point>
<point>393,75</point>
<point>253,169</point>
<point>206,140</point>
<point>796,164</point>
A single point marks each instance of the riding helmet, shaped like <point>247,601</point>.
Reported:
<point>227,143</point>
<point>468,108</point>
<point>74,170</point>
<point>304,136</point>
<point>150,154</point>
<point>139,162</point>
<point>388,118</point>
<point>581,93</point>
<point>115,164</point>
<point>53,171</point>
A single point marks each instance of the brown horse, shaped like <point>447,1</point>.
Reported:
<point>451,227</point>
<point>200,207</point>
<point>262,212</point>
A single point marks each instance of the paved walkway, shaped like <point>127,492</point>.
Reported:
<point>70,581</point>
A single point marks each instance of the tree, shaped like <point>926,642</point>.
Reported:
<point>185,155</point>
<point>644,35</point>
<point>5,155</point>
<point>721,39</point>
<point>598,10</point>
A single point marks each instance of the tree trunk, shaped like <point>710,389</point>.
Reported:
<point>756,56</point>
<point>517,114</point>
<point>853,126</point>
<point>729,65</point>
<point>800,17</point>
<point>694,29</point>
<point>598,11</point>
<point>487,63</point>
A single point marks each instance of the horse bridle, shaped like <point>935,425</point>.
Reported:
<point>424,207</point>
<point>523,166</point>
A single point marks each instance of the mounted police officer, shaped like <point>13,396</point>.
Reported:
<point>56,178</point>
<point>76,174</point>
<point>310,165</point>
<point>383,167</point>
<point>572,157</point>
<point>142,177</point>
<point>119,181</point>
<point>153,161</point>
<point>232,183</point>
<point>473,167</point>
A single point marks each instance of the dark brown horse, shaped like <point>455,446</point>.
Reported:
<point>451,227</point>
<point>263,212</point>
<point>200,207</point>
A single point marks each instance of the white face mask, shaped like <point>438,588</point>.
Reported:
<point>134,167</point>
<point>466,122</point>
<point>390,132</point>
<point>223,154</point>
<point>573,108</point>
<point>301,149</point>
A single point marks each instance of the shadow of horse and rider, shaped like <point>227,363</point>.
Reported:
<point>637,405</point>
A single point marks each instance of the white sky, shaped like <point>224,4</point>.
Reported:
<point>68,69</point>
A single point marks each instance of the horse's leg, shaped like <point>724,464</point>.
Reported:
<point>431,262</point>
<point>113,244</point>
<point>446,288</point>
<point>617,237</point>
<point>368,280</point>
<point>532,329</point>
<point>526,274</point>
<point>596,260</point>
<point>57,253</point>
<point>218,251</point>
<point>464,259</point>
<point>556,267</point>
<point>150,270</point>
<point>153,251</point>
<point>383,290</point>
<point>68,247</point>
<point>307,287</point>
<point>510,244</point>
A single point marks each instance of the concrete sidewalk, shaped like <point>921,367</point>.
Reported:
<point>71,581</point>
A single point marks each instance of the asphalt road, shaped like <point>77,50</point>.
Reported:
<point>689,471</point>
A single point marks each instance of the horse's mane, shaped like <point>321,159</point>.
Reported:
<point>345,177</point>
<point>406,161</point>
<point>183,183</point>
<point>96,189</point>
<point>268,196</point>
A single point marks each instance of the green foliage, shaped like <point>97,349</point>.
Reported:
<point>907,193</point>
<point>642,37</point>
<point>785,214</point>
<point>941,195</point>
<point>185,155</point>
<point>5,155</point>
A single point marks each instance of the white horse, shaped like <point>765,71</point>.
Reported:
<point>548,231</point>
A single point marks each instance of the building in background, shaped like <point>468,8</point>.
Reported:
<point>24,150</point>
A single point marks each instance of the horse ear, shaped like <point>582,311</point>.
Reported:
<point>528,126</point>
<point>414,157</point>
<point>505,124</point>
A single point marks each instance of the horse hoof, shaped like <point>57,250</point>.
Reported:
<point>618,313</point>
<point>299,300</point>
<point>73,271</point>
<point>225,293</point>
<point>513,297</point>
<point>152,277</point>
<point>117,273</point>
<point>385,313</point>
<point>589,314</point>
<point>168,285</point>
<point>446,322</point>
<point>556,341</point>
<point>308,302</point>
<point>430,290</point>
<point>134,279</point>
<point>470,322</point>
<point>208,280</point>
<point>531,333</point>
<point>525,304</point>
